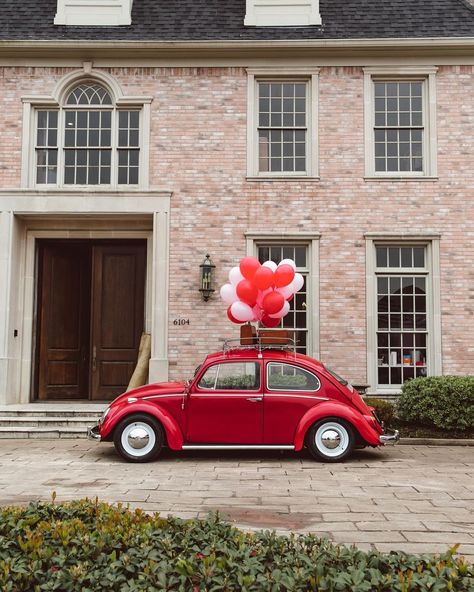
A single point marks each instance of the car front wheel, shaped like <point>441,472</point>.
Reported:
<point>331,439</point>
<point>138,438</point>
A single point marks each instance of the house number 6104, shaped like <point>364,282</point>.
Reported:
<point>181,322</point>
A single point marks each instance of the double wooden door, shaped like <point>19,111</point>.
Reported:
<point>90,317</point>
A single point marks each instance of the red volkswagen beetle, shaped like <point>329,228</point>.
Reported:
<point>245,398</point>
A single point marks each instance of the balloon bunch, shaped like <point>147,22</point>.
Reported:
<point>261,292</point>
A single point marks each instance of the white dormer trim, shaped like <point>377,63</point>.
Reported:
<point>104,13</point>
<point>282,13</point>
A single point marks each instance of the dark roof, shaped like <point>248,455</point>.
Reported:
<point>201,20</point>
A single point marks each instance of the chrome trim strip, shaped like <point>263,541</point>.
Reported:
<point>236,447</point>
<point>297,396</point>
<point>225,394</point>
<point>161,396</point>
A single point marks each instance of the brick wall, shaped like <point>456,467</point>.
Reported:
<point>198,150</point>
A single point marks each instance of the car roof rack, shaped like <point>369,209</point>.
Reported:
<point>260,339</point>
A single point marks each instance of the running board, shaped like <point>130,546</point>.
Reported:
<point>235,447</point>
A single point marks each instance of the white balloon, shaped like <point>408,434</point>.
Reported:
<point>235,276</point>
<point>288,262</point>
<point>228,294</point>
<point>270,264</point>
<point>298,282</point>
<point>286,291</point>
<point>241,311</point>
<point>282,312</point>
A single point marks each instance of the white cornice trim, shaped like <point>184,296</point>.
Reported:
<point>421,236</point>
<point>38,48</point>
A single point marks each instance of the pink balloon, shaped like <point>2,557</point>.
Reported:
<point>288,262</point>
<point>257,313</point>
<point>283,275</point>
<point>272,303</point>
<point>261,296</point>
<point>235,276</point>
<point>247,292</point>
<point>269,322</point>
<point>286,291</point>
<point>281,313</point>
<point>270,264</point>
<point>228,294</point>
<point>298,282</point>
<point>232,318</point>
<point>263,278</point>
<point>241,311</point>
<point>248,267</point>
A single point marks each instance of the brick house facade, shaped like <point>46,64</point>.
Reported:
<point>386,241</point>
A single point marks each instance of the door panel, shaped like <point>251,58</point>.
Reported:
<point>118,296</point>
<point>64,321</point>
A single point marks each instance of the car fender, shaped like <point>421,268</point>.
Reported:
<point>174,436</point>
<point>335,409</point>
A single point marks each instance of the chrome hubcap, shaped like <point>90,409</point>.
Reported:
<point>138,438</point>
<point>330,439</point>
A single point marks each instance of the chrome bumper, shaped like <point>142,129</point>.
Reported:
<point>391,438</point>
<point>93,432</point>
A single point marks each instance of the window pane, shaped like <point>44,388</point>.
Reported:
<point>285,377</point>
<point>238,376</point>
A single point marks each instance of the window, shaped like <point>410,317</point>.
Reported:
<point>282,119</point>
<point>234,376</point>
<point>296,321</point>
<point>285,377</point>
<point>400,122</point>
<point>88,135</point>
<point>405,334</point>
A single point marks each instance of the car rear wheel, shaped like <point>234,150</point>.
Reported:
<point>139,438</point>
<point>331,439</point>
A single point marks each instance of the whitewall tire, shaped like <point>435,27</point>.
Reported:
<point>331,439</point>
<point>138,438</point>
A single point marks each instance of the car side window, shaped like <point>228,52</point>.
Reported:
<point>286,377</point>
<point>232,376</point>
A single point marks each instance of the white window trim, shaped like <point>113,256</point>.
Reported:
<point>434,354</point>
<point>426,74</point>
<point>311,240</point>
<point>56,101</point>
<point>309,75</point>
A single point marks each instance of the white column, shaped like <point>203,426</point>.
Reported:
<point>159,309</point>
<point>6,222</point>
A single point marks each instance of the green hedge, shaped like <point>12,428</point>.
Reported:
<point>85,546</point>
<point>445,402</point>
<point>384,409</point>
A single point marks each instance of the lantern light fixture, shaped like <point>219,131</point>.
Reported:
<point>206,278</point>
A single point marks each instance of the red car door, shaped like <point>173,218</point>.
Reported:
<point>225,405</point>
<point>289,392</point>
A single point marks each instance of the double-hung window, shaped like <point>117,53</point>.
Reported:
<point>282,122</point>
<point>400,123</point>
<point>402,312</point>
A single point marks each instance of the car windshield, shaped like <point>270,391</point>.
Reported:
<point>337,377</point>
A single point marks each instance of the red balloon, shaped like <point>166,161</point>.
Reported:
<point>247,292</point>
<point>283,275</point>
<point>273,302</point>
<point>263,278</point>
<point>248,267</point>
<point>233,319</point>
<point>269,322</point>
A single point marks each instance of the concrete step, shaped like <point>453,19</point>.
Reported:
<point>66,410</point>
<point>44,433</point>
<point>47,421</point>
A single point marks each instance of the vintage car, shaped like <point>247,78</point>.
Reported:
<point>245,398</point>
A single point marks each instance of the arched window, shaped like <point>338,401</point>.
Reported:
<point>88,140</point>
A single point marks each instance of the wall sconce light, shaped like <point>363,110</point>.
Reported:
<point>207,278</point>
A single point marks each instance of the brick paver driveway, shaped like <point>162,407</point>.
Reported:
<point>414,498</point>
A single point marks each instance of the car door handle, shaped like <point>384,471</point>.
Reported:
<point>255,399</point>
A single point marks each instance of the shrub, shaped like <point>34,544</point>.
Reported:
<point>85,546</point>
<point>384,409</point>
<point>445,402</point>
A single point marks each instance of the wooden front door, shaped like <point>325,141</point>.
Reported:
<point>90,317</point>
